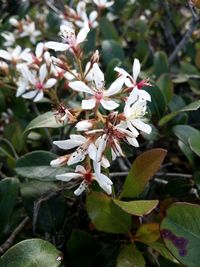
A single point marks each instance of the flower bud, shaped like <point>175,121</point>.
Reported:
<point>95,57</point>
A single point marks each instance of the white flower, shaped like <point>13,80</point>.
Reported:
<point>28,29</point>
<point>103,3</point>
<point>99,95</point>
<point>38,83</point>
<point>131,82</point>
<point>85,147</point>
<point>36,58</point>
<point>84,125</point>
<point>9,38</point>
<point>87,176</point>
<point>69,37</point>
<point>134,113</point>
<point>13,55</point>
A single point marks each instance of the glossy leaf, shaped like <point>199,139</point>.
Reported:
<point>191,107</point>
<point>194,142</point>
<point>31,253</point>
<point>137,207</point>
<point>166,86</point>
<point>36,165</point>
<point>46,120</point>
<point>181,232</point>
<point>160,63</point>
<point>9,190</point>
<point>110,50</point>
<point>105,215</point>
<point>143,168</point>
<point>130,256</point>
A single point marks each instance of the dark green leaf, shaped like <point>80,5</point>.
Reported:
<point>36,165</point>
<point>130,256</point>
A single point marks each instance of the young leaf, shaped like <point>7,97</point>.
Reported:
<point>143,168</point>
<point>105,215</point>
<point>148,233</point>
<point>137,207</point>
<point>33,253</point>
<point>181,232</point>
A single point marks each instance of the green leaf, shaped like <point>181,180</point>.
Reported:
<point>148,233</point>
<point>181,232</point>
<point>137,207</point>
<point>9,189</point>
<point>162,250</point>
<point>31,253</point>
<point>130,256</point>
<point>166,86</point>
<point>143,168</point>
<point>191,107</point>
<point>194,142</point>
<point>110,50</point>
<point>52,212</point>
<point>46,120</point>
<point>158,103</point>
<point>105,215</point>
<point>107,29</point>
<point>160,63</point>
<point>36,165</point>
<point>82,249</point>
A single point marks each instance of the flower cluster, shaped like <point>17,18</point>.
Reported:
<point>109,114</point>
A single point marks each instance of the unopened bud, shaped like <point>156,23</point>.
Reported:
<point>95,57</point>
<point>4,67</point>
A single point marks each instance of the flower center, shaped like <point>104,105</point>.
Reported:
<point>39,86</point>
<point>88,177</point>
<point>99,96</point>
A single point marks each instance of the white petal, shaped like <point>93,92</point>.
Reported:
<point>67,144</point>
<point>5,55</point>
<point>109,104</point>
<point>136,68</point>
<point>92,151</point>
<point>43,72</point>
<point>76,157</point>
<point>50,83</point>
<point>80,189</point>
<point>83,125</point>
<point>133,97</point>
<point>16,52</point>
<point>78,137</point>
<point>121,71</point>
<point>144,95</point>
<point>66,177</point>
<point>80,87</point>
<point>39,96</point>
<point>81,36</point>
<point>140,125</point>
<point>98,77</point>
<point>105,183</point>
<point>101,147</point>
<point>30,94</point>
<point>105,162</point>
<point>93,15</point>
<point>58,162</point>
<point>132,141</point>
<point>89,103</point>
<point>133,130</point>
<point>80,169</point>
<point>39,50</point>
<point>115,87</point>
<point>57,46</point>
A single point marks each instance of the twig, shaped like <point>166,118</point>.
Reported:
<point>172,174</point>
<point>8,243</point>
<point>46,197</point>
<point>187,35</point>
